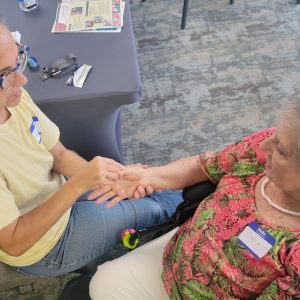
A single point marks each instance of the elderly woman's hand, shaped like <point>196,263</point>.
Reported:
<point>133,182</point>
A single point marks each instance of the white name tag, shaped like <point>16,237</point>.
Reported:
<point>256,240</point>
<point>35,129</point>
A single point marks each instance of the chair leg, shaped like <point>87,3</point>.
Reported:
<point>298,1</point>
<point>232,1</point>
<point>184,13</point>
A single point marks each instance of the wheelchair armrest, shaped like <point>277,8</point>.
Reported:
<point>192,197</point>
<point>199,191</point>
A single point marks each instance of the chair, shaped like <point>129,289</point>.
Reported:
<point>192,196</point>
<point>185,10</point>
<point>78,288</point>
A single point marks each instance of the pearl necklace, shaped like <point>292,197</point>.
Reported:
<point>269,200</point>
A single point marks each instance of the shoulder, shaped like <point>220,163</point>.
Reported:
<point>259,136</point>
<point>249,146</point>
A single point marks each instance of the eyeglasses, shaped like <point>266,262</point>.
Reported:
<point>7,78</point>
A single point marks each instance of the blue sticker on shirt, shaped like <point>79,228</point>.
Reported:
<point>35,129</point>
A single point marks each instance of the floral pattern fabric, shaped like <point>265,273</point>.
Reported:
<point>204,259</point>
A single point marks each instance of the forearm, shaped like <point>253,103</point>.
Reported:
<point>30,228</point>
<point>24,232</point>
<point>66,162</point>
<point>177,175</point>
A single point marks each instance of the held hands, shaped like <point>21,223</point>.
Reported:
<point>99,172</point>
<point>133,181</point>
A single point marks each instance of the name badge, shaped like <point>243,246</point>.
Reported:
<point>256,240</point>
<point>35,129</point>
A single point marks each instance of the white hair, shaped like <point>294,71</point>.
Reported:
<point>290,114</point>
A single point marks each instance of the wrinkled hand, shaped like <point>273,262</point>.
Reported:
<point>133,182</point>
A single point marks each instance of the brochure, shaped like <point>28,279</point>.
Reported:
<point>89,16</point>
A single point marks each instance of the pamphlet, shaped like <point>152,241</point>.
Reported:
<point>89,16</point>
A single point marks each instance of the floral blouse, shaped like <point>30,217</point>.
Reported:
<point>205,260</point>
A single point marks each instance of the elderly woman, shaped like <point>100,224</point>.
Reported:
<point>243,240</point>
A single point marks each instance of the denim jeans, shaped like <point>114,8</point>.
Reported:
<point>94,230</point>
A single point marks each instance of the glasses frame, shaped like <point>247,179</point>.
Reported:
<point>20,65</point>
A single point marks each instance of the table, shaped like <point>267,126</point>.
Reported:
<point>89,118</point>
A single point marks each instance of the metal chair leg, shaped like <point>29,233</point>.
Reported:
<point>184,13</point>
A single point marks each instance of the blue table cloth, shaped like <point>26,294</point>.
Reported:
<point>89,118</point>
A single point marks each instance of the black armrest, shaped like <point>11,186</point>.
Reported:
<point>198,191</point>
<point>192,196</point>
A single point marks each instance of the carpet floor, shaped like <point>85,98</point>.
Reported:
<point>224,76</point>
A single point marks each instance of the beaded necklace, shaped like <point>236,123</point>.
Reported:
<point>269,200</point>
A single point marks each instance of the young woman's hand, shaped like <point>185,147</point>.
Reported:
<point>133,183</point>
<point>97,173</point>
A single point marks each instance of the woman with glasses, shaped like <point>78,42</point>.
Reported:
<point>7,77</point>
<point>47,224</point>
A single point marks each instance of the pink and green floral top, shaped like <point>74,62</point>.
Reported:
<point>204,259</point>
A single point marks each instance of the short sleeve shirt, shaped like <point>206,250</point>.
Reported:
<point>26,176</point>
<point>204,259</point>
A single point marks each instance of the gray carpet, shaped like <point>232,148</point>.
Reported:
<point>222,77</point>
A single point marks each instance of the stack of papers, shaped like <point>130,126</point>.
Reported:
<point>89,16</point>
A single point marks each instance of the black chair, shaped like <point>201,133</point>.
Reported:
<point>185,10</point>
<point>192,196</point>
<point>186,6</point>
<point>78,288</point>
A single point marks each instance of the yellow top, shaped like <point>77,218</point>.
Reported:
<point>26,176</point>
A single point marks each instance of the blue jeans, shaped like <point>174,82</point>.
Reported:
<point>94,230</point>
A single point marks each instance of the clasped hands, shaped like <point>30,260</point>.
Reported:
<point>132,181</point>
